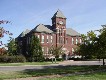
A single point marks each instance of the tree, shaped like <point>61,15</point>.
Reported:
<point>101,44</point>
<point>3,31</point>
<point>35,50</point>
<point>86,48</point>
<point>12,47</point>
<point>94,45</point>
<point>56,51</point>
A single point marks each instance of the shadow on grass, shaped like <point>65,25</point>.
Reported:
<point>61,70</point>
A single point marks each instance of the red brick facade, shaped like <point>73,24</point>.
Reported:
<point>59,37</point>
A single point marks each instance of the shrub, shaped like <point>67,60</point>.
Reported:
<point>59,59</point>
<point>12,59</point>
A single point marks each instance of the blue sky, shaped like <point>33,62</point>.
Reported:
<point>82,15</point>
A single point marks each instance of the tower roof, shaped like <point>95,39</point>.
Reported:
<point>58,14</point>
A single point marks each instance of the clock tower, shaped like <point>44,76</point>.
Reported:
<point>58,20</point>
<point>59,26</point>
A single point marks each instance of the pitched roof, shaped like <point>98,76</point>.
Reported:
<point>24,33</point>
<point>58,14</point>
<point>42,28</point>
<point>72,32</point>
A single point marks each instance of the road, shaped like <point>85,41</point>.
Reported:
<point>61,64</point>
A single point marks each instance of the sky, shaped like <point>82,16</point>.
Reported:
<point>82,15</point>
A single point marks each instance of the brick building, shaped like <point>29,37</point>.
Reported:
<point>51,35</point>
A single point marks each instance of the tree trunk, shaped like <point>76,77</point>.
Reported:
<point>55,60</point>
<point>52,60</point>
<point>103,61</point>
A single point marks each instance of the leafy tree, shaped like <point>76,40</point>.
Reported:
<point>3,31</point>
<point>12,47</point>
<point>56,51</point>
<point>101,44</point>
<point>86,48</point>
<point>94,45</point>
<point>35,50</point>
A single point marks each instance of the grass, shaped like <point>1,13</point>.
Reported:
<point>94,76</point>
<point>60,71</point>
<point>26,63</point>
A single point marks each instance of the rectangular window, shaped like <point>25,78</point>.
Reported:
<point>72,40</point>
<point>42,39</point>
<point>51,39</point>
<point>38,36</point>
<point>66,41</point>
<point>77,41</point>
<point>80,41</point>
<point>72,50</point>
<point>61,40</point>
<point>42,49</point>
<point>47,39</point>
<point>47,49</point>
<point>29,40</point>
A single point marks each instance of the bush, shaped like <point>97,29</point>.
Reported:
<point>12,59</point>
<point>59,59</point>
<point>76,59</point>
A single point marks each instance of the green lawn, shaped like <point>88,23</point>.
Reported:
<point>60,71</point>
<point>26,63</point>
<point>94,76</point>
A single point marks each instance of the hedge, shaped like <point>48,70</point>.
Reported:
<point>12,59</point>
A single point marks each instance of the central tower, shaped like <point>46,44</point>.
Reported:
<point>59,26</point>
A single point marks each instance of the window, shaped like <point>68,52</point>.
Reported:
<point>39,36</point>
<point>51,39</point>
<point>42,39</point>
<point>47,49</point>
<point>47,39</point>
<point>66,41</point>
<point>80,41</point>
<point>72,41</point>
<point>61,40</point>
<point>42,49</point>
<point>77,41</point>
<point>72,50</point>
<point>29,40</point>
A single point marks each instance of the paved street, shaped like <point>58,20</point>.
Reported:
<point>61,64</point>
